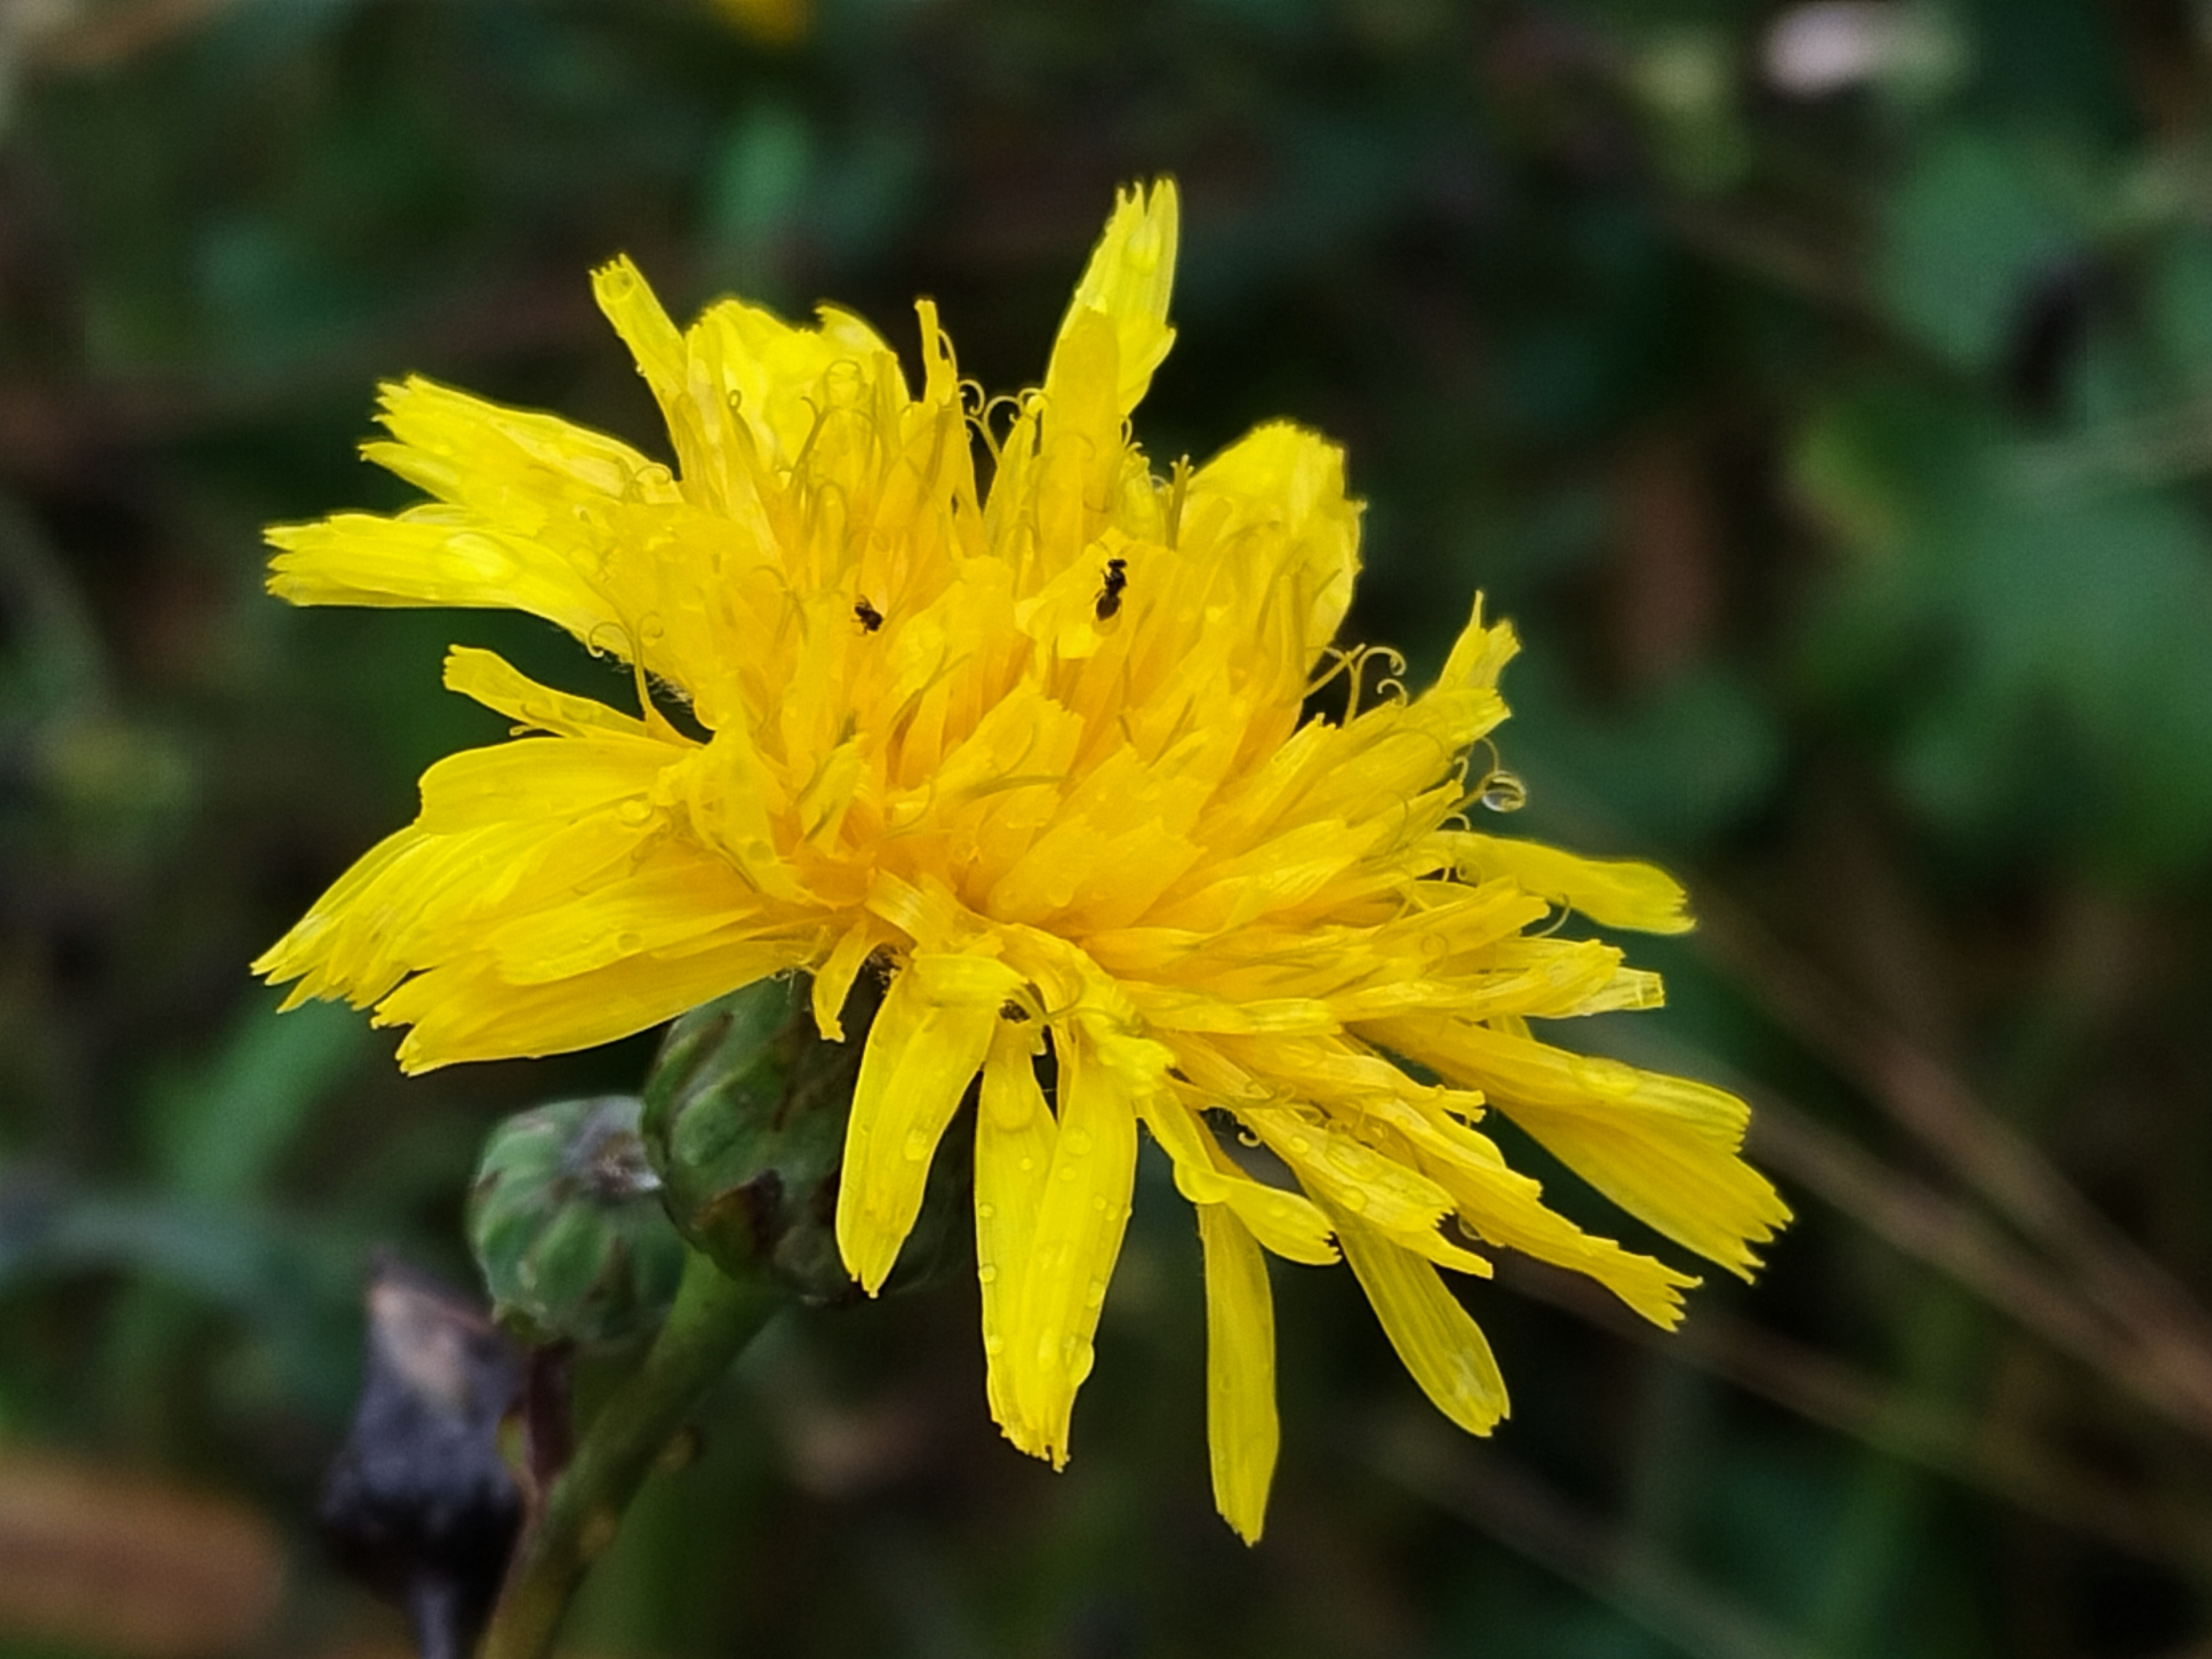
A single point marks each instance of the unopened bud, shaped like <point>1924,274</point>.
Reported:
<point>567,1224</point>
<point>744,1119</point>
<point>745,1114</point>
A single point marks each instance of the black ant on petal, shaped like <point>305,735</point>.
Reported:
<point>1109,597</point>
<point>870,618</point>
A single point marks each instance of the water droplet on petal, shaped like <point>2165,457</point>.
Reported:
<point>635,812</point>
<point>988,1274</point>
<point>918,1144</point>
<point>995,1345</point>
<point>985,1211</point>
<point>1096,1293</point>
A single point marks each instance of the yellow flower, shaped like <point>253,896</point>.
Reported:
<point>777,22</point>
<point>1038,747</point>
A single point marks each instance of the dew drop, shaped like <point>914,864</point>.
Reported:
<point>635,812</point>
<point>1027,1164</point>
<point>985,1211</point>
<point>1066,1174</point>
<point>1078,1142</point>
<point>988,1274</point>
<point>1096,1295</point>
<point>629,941</point>
<point>1354,1200</point>
<point>1301,1145</point>
<point>1502,792</point>
<point>918,1144</point>
<point>995,1345</point>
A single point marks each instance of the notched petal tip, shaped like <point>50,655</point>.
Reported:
<point>1128,280</point>
<point>627,300</point>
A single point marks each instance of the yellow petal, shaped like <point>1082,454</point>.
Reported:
<point>1287,1222</point>
<point>1664,1148</point>
<point>928,1043</point>
<point>489,678</point>
<point>1242,1430</point>
<point>1611,892</point>
<point>515,468</point>
<point>464,1009</point>
<point>1078,1235</point>
<point>1274,501</point>
<point>1127,281</point>
<point>1351,1177</point>
<point>554,781</point>
<point>663,901</point>
<point>436,555</point>
<point>743,390</point>
<point>833,980</point>
<point>1506,1207</point>
<point>1014,1137</point>
<point>1438,1342</point>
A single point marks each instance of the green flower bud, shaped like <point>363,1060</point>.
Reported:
<point>745,1112</point>
<point>744,1121</point>
<point>567,1224</point>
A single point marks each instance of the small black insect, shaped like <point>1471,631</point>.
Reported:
<point>870,617</point>
<point>1109,597</point>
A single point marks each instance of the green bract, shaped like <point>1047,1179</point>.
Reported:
<point>566,1221</point>
<point>746,1117</point>
<point>744,1121</point>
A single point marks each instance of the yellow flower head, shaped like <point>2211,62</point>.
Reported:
<point>1037,744</point>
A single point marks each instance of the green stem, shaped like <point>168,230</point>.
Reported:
<point>714,1317</point>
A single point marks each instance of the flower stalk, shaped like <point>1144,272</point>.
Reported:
<point>714,1318</point>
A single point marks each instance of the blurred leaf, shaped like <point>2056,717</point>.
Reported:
<point>1679,766</point>
<point>1963,234</point>
<point>2037,652</point>
<point>219,1136</point>
<point>2180,301</point>
<point>757,198</point>
<point>245,1260</point>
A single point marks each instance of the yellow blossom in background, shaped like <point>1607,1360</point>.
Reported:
<point>1034,743</point>
<point>778,23</point>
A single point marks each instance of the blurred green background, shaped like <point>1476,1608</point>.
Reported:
<point>1826,390</point>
